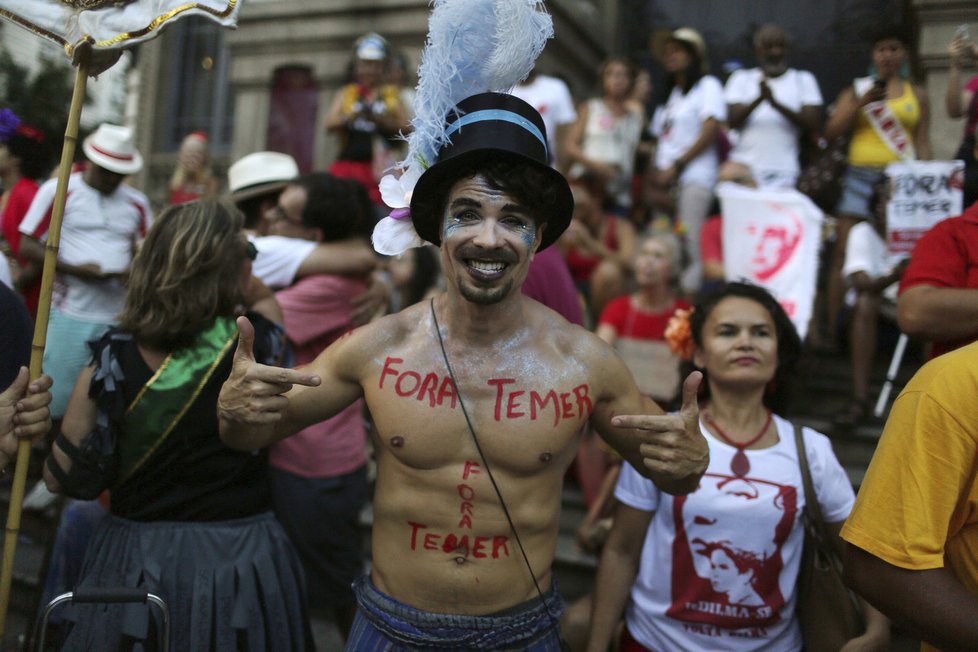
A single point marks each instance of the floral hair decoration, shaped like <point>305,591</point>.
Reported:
<point>8,124</point>
<point>679,335</point>
<point>35,135</point>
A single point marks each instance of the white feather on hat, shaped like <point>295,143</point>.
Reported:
<point>473,46</point>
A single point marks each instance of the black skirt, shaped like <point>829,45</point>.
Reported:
<point>229,585</point>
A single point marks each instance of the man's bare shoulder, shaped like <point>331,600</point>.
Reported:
<point>389,330</point>
<point>353,352</point>
<point>569,339</point>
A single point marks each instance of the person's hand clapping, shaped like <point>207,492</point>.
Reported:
<point>674,448</point>
<point>253,393</point>
<point>765,91</point>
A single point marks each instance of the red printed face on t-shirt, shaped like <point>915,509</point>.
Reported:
<point>727,553</point>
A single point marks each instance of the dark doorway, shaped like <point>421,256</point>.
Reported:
<point>292,114</point>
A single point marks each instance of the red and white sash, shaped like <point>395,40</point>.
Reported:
<point>886,125</point>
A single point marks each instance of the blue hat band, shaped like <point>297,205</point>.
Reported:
<point>497,114</point>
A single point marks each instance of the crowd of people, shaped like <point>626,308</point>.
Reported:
<point>227,384</point>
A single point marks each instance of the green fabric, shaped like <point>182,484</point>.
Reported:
<point>162,402</point>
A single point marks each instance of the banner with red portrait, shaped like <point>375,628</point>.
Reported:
<point>772,238</point>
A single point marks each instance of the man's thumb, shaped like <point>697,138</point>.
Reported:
<point>246,341</point>
<point>17,389</point>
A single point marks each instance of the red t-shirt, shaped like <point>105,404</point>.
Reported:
<point>582,265</point>
<point>629,321</point>
<point>946,257</point>
<point>711,240</point>
<point>21,196</point>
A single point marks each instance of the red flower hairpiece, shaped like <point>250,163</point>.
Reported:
<point>679,336</point>
<point>30,133</point>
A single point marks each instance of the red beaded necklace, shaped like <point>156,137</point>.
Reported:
<point>739,465</point>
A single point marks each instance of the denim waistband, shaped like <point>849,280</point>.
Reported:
<point>517,626</point>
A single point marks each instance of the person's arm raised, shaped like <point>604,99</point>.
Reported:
<point>260,404</point>
<point>846,107</point>
<point>669,449</point>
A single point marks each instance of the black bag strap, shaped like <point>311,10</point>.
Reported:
<point>812,513</point>
<point>824,554</point>
<point>812,510</point>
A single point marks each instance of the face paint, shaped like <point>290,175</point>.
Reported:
<point>488,240</point>
<point>528,233</point>
<point>450,224</point>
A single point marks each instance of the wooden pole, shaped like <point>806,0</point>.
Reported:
<point>40,335</point>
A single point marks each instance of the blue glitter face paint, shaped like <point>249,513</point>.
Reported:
<point>450,224</point>
<point>528,233</point>
<point>473,205</point>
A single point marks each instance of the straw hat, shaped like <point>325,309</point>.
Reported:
<point>260,173</point>
<point>113,147</point>
<point>691,37</point>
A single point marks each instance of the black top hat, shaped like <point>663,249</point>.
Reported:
<point>490,124</point>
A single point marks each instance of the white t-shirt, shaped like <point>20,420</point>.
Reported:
<point>867,252</point>
<point>719,566</point>
<point>5,276</point>
<point>552,99</point>
<point>612,139</point>
<point>677,125</point>
<point>768,142</point>
<point>279,259</point>
<point>96,228</point>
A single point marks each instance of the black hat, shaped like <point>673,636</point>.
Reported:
<point>490,125</point>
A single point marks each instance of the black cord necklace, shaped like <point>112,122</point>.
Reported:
<point>485,463</point>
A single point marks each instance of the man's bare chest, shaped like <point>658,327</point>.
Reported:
<point>418,409</point>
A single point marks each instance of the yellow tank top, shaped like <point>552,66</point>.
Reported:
<point>388,96</point>
<point>867,149</point>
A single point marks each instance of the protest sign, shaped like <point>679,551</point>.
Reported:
<point>922,193</point>
<point>771,238</point>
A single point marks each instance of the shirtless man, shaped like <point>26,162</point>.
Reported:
<point>525,379</point>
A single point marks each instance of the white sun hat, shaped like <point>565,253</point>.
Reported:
<point>259,173</point>
<point>113,147</point>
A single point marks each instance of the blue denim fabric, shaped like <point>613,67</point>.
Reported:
<point>857,191</point>
<point>384,624</point>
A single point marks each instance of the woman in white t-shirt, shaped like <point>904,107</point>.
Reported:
<point>603,140</point>
<point>717,569</point>
<point>686,126</point>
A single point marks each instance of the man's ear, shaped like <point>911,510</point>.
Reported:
<point>317,234</point>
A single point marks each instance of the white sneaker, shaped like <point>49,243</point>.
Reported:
<point>39,498</point>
